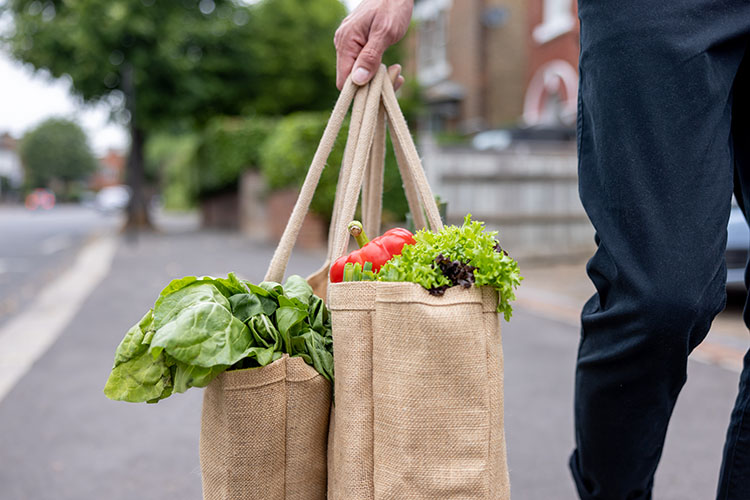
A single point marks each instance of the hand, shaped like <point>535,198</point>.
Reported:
<point>365,34</point>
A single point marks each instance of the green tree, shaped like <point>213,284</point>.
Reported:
<point>164,61</point>
<point>56,150</point>
<point>182,60</point>
<point>229,146</point>
<point>294,54</point>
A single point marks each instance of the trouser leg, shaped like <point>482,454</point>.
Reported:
<point>656,177</point>
<point>734,480</point>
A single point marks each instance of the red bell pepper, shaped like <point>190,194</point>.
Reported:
<point>378,251</point>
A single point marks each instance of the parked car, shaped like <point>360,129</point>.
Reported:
<point>112,199</point>
<point>492,140</point>
<point>40,199</point>
<point>738,245</point>
<point>502,139</point>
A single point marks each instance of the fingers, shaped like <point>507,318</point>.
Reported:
<point>368,60</point>
<point>394,73</point>
<point>344,61</point>
<point>348,43</point>
<point>400,81</point>
<point>365,34</point>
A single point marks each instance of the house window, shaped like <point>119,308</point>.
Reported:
<point>432,41</point>
<point>557,19</point>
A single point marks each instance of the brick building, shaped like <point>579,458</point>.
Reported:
<point>469,56</point>
<point>486,64</point>
<point>552,77</point>
<point>110,171</point>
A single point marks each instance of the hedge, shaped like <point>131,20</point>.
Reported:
<point>286,155</point>
<point>229,146</point>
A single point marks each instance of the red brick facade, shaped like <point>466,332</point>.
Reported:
<point>469,56</point>
<point>486,64</point>
<point>552,70</point>
<point>111,171</point>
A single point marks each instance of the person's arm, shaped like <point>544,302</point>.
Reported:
<point>365,34</point>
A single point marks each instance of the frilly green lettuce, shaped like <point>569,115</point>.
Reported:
<point>469,244</point>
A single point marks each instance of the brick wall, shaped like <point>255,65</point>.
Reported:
<point>564,47</point>
<point>280,205</point>
<point>487,61</point>
<point>507,58</point>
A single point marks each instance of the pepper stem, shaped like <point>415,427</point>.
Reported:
<point>355,229</point>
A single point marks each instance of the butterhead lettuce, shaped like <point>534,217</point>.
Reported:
<point>200,327</point>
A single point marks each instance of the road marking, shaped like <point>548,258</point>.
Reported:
<point>54,244</point>
<point>27,336</point>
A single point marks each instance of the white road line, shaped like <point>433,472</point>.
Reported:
<point>27,336</point>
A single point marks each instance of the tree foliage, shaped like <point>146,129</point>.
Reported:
<point>228,147</point>
<point>294,53</point>
<point>185,56</point>
<point>191,59</point>
<point>57,149</point>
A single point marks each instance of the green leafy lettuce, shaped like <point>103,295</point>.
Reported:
<point>200,327</point>
<point>457,255</point>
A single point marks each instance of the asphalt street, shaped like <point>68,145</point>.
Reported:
<point>36,245</point>
<point>61,439</point>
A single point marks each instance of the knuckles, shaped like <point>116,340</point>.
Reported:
<point>386,29</point>
<point>370,55</point>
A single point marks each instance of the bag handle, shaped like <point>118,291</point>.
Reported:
<point>357,152</point>
<point>404,146</point>
<point>358,109</point>
<point>372,186</point>
<point>280,259</point>
<point>402,141</point>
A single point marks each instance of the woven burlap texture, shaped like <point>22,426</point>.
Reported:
<point>419,405</point>
<point>264,433</point>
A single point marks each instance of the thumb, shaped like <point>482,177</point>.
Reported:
<point>368,60</point>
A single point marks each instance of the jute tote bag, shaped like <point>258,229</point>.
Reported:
<point>418,408</point>
<point>264,433</point>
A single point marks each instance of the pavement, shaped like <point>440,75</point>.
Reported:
<point>559,290</point>
<point>60,438</point>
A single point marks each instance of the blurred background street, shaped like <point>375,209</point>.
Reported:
<point>143,141</point>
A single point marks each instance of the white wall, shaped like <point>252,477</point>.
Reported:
<point>10,166</point>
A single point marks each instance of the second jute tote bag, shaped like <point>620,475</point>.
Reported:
<point>418,410</point>
<point>264,433</point>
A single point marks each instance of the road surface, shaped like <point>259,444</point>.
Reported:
<point>36,245</point>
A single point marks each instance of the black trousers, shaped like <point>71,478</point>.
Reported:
<point>663,140</point>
